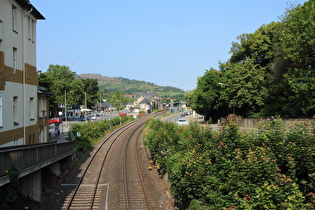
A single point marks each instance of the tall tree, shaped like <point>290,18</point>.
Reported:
<point>247,84</point>
<point>63,84</point>
<point>271,71</point>
<point>249,70</point>
<point>258,46</point>
<point>91,90</point>
<point>117,99</point>
<point>298,47</point>
<point>209,98</point>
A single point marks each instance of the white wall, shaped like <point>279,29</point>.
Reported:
<point>20,38</point>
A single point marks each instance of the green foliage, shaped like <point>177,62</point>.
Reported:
<point>298,47</point>
<point>230,169</point>
<point>62,83</point>
<point>209,96</point>
<point>12,190</point>
<point>248,87</point>
<point>90,132</point>
<point>270,71</point>
<point>91,90</point>
<point>117,99</point>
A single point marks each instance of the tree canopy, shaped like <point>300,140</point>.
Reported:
<point>270,71</point>
<point>61,81</point>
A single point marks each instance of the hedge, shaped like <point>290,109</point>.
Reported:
<point>268,168</point>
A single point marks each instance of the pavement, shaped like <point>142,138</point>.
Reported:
<point>64,129</point>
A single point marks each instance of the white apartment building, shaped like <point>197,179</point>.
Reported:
<point>23,107</point>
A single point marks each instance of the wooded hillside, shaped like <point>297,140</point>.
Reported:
<point>127,86</point>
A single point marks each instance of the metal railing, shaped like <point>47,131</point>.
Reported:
<point>22,157</point>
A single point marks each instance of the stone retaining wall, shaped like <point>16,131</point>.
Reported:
<point>252,123</point>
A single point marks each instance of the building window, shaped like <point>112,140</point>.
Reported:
<point>14,59</point>
<point>42,107</point>
<point>15,109</point>
<point>29,23</point>
<point>31,111</point>
<point>1,111</point>
<point>14,18</point>
<point>33,31</point>
<point>0,11</point>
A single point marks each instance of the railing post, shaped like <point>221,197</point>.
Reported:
<point>37,155</point>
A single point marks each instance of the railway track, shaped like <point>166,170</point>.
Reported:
<point>112,178</point>
<point>136,194</point>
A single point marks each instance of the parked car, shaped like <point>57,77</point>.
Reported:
<point>85,119</point>
<point>182,122</point>
<point>93,117</point>
<point>122,114</point>
<point>54,120</point>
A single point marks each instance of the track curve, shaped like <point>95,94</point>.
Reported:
<point>113,176</point>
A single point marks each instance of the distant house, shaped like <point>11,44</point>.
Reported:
<point>74,112</point>
<point>145,106</point>
<point>136,108</point>
<point>23,105</point>
<point>129,96</point>
<point>105,106</point>
<point>147,102</point>
<point>130,107</point>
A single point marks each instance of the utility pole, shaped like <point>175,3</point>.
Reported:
<point>66,105</point>
<point>85,100</point>
<point>100,102</point>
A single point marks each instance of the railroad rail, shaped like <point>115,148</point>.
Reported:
<point>114,169</point>
<point>135,189</point>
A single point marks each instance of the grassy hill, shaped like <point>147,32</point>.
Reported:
<point>127,86</point>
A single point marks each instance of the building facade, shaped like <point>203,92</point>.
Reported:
<point>147,102</point>
<point>23,107</point>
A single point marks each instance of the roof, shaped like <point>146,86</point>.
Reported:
<point>150,96</point>
<point>26,4</point>
<point>104,104</point>
<point>42,90</point>
<point>145,101</point>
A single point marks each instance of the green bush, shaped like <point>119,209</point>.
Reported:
<point>91,132</point>
<point>232,169</point>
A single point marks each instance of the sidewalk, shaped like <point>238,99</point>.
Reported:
<point>64,129</point>
<point>62,138</point>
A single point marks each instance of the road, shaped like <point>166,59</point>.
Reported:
<point>175,117</point>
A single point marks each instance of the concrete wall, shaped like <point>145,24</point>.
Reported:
<point>31,185</point>
<point>252,123</point>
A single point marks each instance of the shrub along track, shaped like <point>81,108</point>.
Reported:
<point>115,176</point>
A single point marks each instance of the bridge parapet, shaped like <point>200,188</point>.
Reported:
<point>29,158</point>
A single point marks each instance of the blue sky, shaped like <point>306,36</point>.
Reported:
<point>166,42</point>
